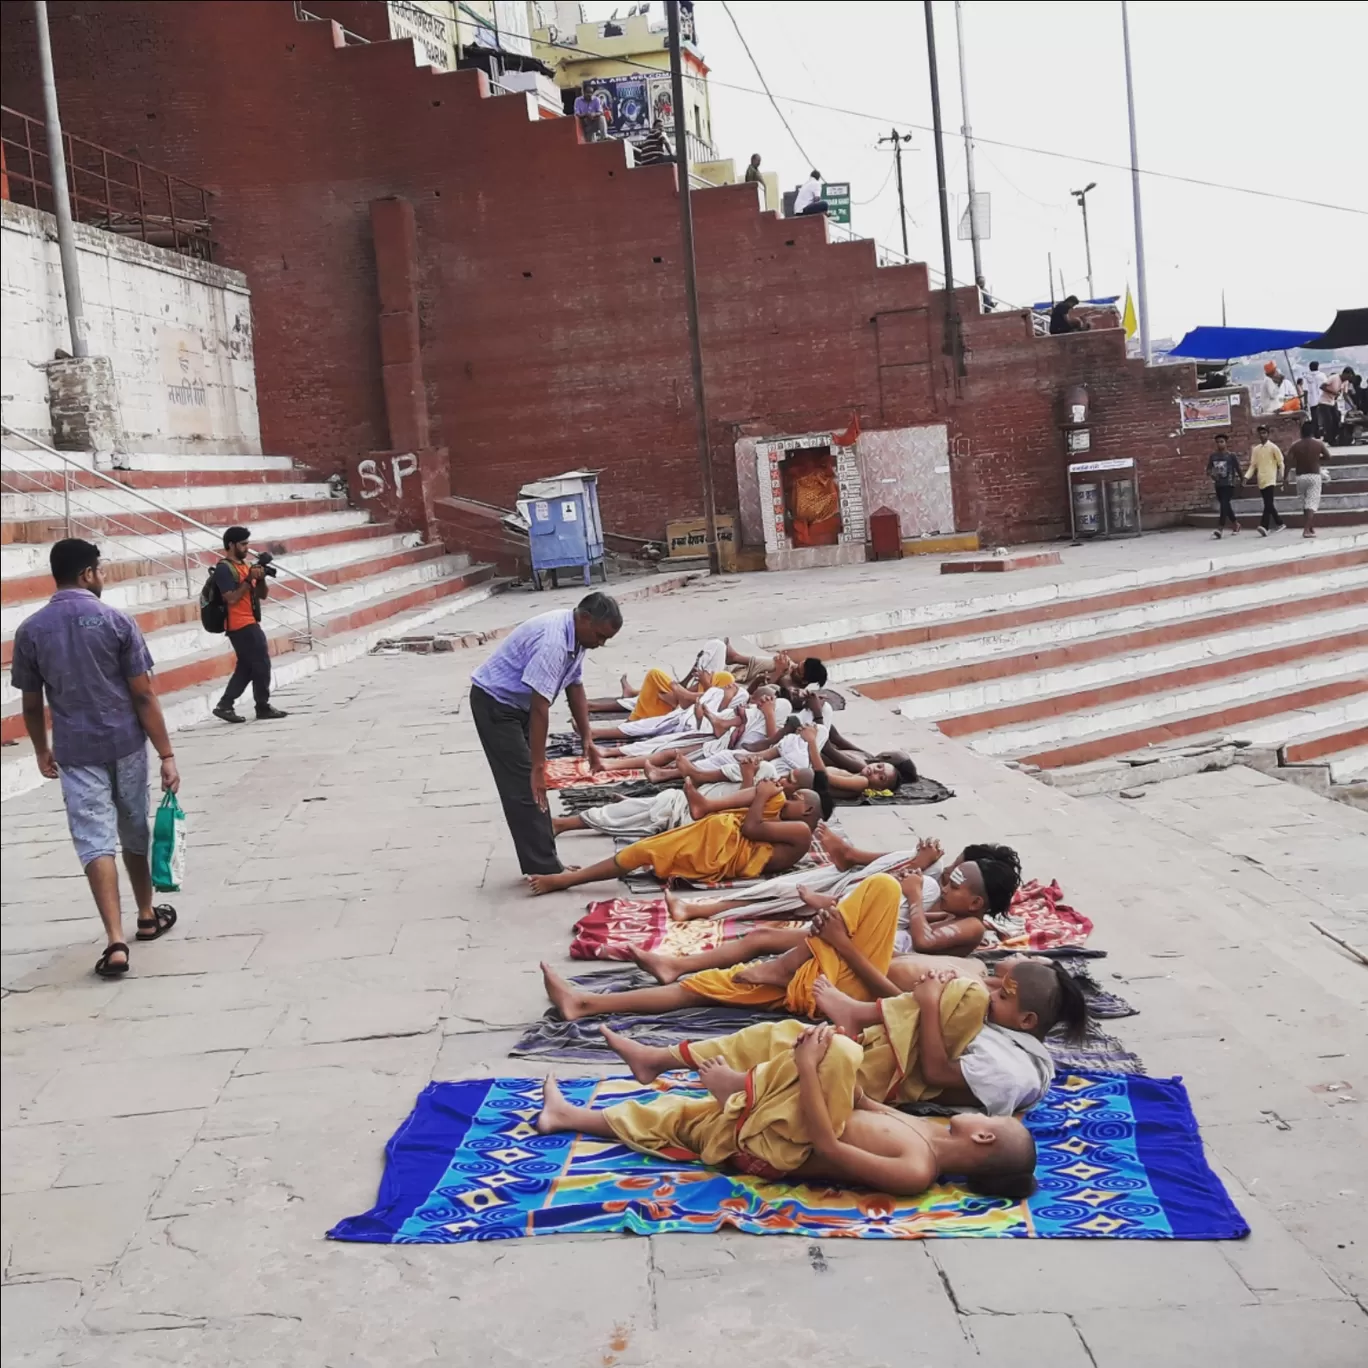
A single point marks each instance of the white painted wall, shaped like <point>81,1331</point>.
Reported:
<point>179,333</point>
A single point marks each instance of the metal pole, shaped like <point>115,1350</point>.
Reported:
<point>968,145</point>
<point>1049,273</point>
<point>66,501</point>
<point>61,200</point>
<point>1087,248</point>
<point>1143,293</point>
<point>952,337</point>
<point>185,565</point>
<point>897,139</point>
<point>691,283</point>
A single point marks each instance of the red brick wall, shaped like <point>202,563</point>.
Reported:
<point>549,288</point>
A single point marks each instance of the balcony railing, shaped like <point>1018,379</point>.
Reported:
<point>107,189</point>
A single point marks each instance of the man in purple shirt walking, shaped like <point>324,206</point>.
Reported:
<point>95,668</point>
<point>510,699</point>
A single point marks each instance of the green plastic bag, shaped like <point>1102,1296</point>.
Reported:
<point>168,846</point>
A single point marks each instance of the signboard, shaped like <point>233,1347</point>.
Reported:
<point>1205,411</point>
<point>432,26</point>
<point>626,102</point>
<point>688,537</point>
<point>837,196</point>
<point>982,216</point>
<point>1124,463</point>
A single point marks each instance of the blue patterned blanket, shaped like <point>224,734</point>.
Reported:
<point>1119,1157</point>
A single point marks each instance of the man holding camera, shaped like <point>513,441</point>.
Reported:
<point>242,588</point>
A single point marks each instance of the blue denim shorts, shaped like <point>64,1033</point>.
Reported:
<point>107,806</point>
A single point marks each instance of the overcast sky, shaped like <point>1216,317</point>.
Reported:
<point>1250,94</point>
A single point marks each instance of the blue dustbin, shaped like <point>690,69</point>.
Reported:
<point>564,529</point>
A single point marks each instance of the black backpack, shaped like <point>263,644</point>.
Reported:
<point>213,610</point>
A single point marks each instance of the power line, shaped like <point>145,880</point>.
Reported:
<point>978,138</point>
<point>802,152</point>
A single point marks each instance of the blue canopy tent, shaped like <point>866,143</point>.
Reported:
<point>1230,344</point>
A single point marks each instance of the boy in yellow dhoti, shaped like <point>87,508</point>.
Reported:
<point>772,835</point>
<point>868,917</point>
<point>800,1112</point>
<point>963,1042</point>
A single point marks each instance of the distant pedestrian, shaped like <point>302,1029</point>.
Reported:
<point>753,170</point>
<point>986,301</point>
<point>1223,470</point>
<point>1063,319</point>
<point>1331,389</point>
<point>590,113</point>
<point>510,701</point>
<point>1266,464</point>
<point>1306,455</point>
<point>654,147</point>
<point>1312,382</point>
<point>809,199</point>
<point>95,669</point>
<point>1279,393</point>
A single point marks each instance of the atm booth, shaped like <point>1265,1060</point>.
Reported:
<point>564,530</point>
<point>1104,499</point>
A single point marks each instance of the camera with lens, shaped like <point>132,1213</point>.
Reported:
<point>263,560</point>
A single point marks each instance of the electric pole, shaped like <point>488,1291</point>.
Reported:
<point>686,234</point>
<point>1082,197</point>
<point>1135,195</point>
<point>968,147</point>
<point>952,330</point>
<point>897,139</point>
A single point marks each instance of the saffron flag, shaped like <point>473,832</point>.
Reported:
<point>1128,318</point>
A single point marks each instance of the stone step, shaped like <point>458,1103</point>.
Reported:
<point>36,505</point>
<point>18,457</point>
<point>1060,695</point>
<point>25,564</point>
<point>280,535</point>
<point>1149,661</point>
<point>961,661</point>
<point>174,629</point>
<point>841,638</point>
<point>1292,515</point>
<point>166,583</point>
<point>1330,741</point>
<point>1333,497</point>
<point>1236,706</point>
<point>190,690</point>
<point>126,525</point>
<point>1349,767</point>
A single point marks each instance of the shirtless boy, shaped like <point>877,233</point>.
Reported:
<point>772,835</point>
<point>801,1115</point>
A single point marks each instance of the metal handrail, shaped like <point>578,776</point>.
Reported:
<point>146,498</point>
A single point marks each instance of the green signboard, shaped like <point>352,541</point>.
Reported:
<point>837,196</point>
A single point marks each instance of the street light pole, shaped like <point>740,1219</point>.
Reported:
<point>897,139</point>
<point>61,199</point>
<point>1082,197</point>
<point>1140,288</point>
<point>968,147</point>
<point>691,284</point>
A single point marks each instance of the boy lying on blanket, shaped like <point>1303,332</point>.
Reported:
<point>851,946</point>
<point>769,836</point>
<point>677,807</point>
<point>719,698</point>
<point>963,1042</point>
<point>801,1113</point>
<point>754,725</point>
<point>942,916</point>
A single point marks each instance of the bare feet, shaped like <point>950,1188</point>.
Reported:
<point>625,687</point>
<point>659,774</point>
<point>771,971</point>
<point>550,883</point>
<point>647,1062</point>
<point>698,804</point>
<point>662,968</point>
<point>838,1008</point>
<point>560,825</point>
<point>556,1114</point>
<point>815,900</point>
<point>835,846</point>
<point>565,997</point>
<point>721,1079</point>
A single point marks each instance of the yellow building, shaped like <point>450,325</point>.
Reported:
<point>638,45</point>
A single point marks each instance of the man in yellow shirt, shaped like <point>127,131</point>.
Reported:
<point>1266,462</point>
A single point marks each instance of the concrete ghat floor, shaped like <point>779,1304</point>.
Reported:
<point>175,1145</point>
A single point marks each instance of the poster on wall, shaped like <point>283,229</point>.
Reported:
<point>432,25</point>
<point>661,101</point>
<point>627,110</point>
<point>1205,411</point>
